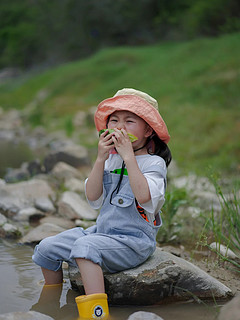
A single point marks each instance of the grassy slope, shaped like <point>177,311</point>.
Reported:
<point>196,84</point>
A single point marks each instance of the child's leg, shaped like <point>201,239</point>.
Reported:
<point>94,304</point>
<point>51,251</point>
<point>92,276</point>
<point>52,277</point>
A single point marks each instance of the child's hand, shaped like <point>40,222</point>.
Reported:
<point>104,145</point>
<point>122,143</point>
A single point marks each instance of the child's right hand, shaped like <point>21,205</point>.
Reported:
<point>105,144</point>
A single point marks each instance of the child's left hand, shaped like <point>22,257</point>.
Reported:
<point>122,143</point>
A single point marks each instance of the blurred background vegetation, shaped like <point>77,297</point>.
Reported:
<point>49,32</point>
<point>70,54</point>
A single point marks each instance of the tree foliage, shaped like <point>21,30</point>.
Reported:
<point>43,31</point>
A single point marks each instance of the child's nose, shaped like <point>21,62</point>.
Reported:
<point>121,125</point>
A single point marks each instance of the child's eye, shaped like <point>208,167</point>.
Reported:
<point>113,120</point>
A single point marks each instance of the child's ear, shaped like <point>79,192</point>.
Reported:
<point>148,132</point>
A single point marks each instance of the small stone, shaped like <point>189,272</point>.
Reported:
<point>44,204</point>
<point>225,251</point>
<point>9,228</point>
<point>26,213</point>
<point>142,315</point>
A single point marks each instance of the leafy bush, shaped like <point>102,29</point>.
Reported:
<point>174,199</point>
<point>213,17</point>
<point>50,32</point>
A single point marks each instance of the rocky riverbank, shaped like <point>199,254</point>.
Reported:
<point>43,198</point>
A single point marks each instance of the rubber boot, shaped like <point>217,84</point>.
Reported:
<point>49,300</point>
<point>93,306</point>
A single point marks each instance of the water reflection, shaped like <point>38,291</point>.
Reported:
<point>21,290</point>
<point>50,302</point>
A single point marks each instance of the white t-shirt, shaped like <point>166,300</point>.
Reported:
<point>155,179</point>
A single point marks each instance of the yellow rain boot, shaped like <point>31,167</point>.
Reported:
<point>93,306</point>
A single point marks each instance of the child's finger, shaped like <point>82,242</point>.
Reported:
<point>117,133</point>
<point>104,133</point>
<point>124,132</point>
<point>105,136</point>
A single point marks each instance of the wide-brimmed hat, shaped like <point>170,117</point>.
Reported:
<point>137,102</point>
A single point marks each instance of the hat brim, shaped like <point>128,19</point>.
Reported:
<point>134,104</point>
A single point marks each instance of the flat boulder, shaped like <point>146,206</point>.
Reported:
<point>42,231</point>
<point>162,278</point>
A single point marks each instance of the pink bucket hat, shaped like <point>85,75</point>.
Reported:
<point>137,102</point>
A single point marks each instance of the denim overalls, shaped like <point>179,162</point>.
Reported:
<point>121,238</point>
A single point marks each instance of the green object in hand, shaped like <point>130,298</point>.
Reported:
<point>131,136</point>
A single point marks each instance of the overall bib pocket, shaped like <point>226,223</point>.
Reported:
<point>122,200</point>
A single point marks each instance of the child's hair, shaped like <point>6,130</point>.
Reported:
<point>159,148</point>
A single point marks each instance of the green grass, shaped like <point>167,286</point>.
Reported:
<point>196,84</point>
<point>224,228</point>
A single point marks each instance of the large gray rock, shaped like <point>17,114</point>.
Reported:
<point>30,315</point>
<point>16,196</point>
<point>72,206</point>
<point>64,171</point>
<point>163,277</point>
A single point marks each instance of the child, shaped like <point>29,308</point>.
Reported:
<point>128,182</point>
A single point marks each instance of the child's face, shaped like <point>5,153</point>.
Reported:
<point>132,124</point>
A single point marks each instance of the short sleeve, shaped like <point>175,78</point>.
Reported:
<point>156,178</point>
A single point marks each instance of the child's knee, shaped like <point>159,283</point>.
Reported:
<point>45,247</point>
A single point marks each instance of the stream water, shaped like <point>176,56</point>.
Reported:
<point>21,288</point>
